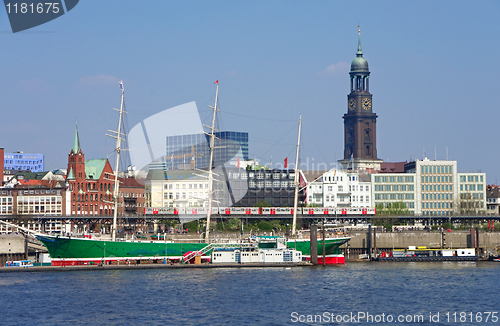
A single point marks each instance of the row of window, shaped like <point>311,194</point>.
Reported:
<point>436,213</point>
<point>91,186</point>
<point>19,156</point>
<point>188,204</point>
<point>184,195</point>
<point>333,179</point>
<point>38,208</point>
<point>472,196</point>
<point>267,175</point>
<point>386,205</point>
<point>6,210</point>
<point>399,179</point>
<point>187,186</point>
<point>471,187</point>
<point>92,197</point>
<point>82,210</point>
<point>437,205</point>
<point>445,178</point>
<point>437,196</point>
<point>6,201</point>
<point>436,169</point>
<point>23,162</point>
<point>361,199</point>
<point>395,196</point>
<point>36,200</point>
<point>437,188</point>
<point>394,188</point>
<point>39,191</point>
<point>269,184</point>
<point>471,178</point>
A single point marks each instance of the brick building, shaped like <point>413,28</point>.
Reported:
<point>90,184</point>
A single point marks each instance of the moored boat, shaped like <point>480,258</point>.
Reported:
<point>423,254</point>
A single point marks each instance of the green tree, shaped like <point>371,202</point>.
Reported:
<point>398,208</point>
<point>265,226</point>
<point>262,203</point>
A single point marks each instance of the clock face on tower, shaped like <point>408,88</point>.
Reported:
<point>352,104</point>
<point>367,104</point>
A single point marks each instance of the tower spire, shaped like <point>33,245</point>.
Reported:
<point>359,53</point>
<point>76,141</point>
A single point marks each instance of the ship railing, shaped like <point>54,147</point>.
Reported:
<point>212,246</point>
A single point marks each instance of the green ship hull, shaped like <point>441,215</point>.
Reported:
<point>77,251</point>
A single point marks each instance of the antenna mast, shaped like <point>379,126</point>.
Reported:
<point>118,136</point>
<point>296,181</point>
<point>210,176</point>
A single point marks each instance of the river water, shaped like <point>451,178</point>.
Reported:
<point>405,293</point>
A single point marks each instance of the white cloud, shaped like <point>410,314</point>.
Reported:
<point>99,80</point>
<point>338,68</point>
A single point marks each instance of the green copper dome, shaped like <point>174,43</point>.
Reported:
<point>359,63</point>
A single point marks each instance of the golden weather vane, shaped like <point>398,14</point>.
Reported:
<point>359,30</point>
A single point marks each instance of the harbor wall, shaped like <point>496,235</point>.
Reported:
<point>12,247</point>
<point>402,240</point>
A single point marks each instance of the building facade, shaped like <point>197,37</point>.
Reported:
<point>189,152</point>
<point>493,200</point>
<point>23,161</point>
<point>432,188</point>
<point>339,189</point>
<point>231,187</point>
<point>132,197</point>
<point>436,184</point>
<point>391,188</point>
<point>90,184</point>
<point>471,199</point>
<point>179,188</point>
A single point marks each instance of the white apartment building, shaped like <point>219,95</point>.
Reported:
<point>182,188</point>
<point>336,188</point>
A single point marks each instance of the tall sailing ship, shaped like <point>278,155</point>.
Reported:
<point>67,250</point>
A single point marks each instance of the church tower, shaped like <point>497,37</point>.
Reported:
<point>76,161</point>
<point>360,133</point>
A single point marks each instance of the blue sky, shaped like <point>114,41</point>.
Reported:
<point>434,75</point>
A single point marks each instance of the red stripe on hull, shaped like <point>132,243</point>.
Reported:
<point>329,260</point>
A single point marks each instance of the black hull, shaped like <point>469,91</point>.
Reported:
<point>426,259</point>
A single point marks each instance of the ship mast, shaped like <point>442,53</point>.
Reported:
<point>296,182</point>
<point>118,136</point>
<point>210,176</point>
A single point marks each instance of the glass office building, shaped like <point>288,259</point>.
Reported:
<point>186,152</point>
<point>23,161</point>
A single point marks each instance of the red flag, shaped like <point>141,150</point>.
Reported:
<point>238,162</point>
<point>286,162</point>
<point>489,225</point>
<point>216,82</point>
